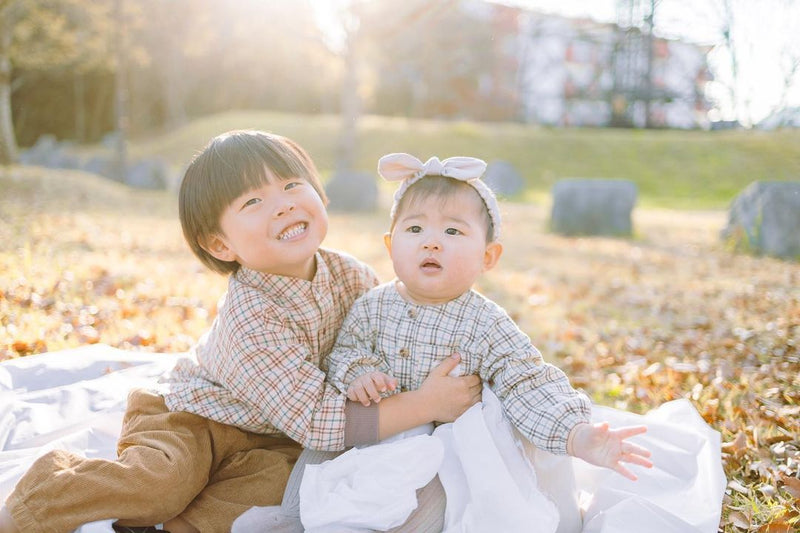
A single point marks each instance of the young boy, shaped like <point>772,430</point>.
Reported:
<point>223,432</point>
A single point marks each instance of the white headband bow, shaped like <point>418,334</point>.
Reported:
<point>408,169</point>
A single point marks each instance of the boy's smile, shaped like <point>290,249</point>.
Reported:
<point>293,231</point>
<point>275,228</point>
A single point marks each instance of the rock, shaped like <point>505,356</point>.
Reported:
<point>147,174</point>
<point>765,218</point>
<point>352,191</point>
<point>593,207</point>
<point>48,152</point>
<point>100,165</point>
<point>503,178</point>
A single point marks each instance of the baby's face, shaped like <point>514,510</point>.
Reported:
<point>438,247</point>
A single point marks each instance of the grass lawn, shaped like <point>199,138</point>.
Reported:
<point>668,314</point>
<point>684,169</point>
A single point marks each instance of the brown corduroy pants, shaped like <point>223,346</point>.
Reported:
<point>169,464</point>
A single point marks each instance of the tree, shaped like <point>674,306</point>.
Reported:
<point>755,48</point>
<point>38,35</point>
<point>364,23</point>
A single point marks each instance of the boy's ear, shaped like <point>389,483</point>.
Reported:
<point>218,247</point>
<point>492,255</point>
<point>387,241</point>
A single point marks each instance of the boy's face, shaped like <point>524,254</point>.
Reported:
<point>275,228</point>
<point>438,248</point>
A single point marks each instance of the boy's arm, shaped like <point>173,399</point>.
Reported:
<point>440,398</point>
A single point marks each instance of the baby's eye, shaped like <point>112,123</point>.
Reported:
<point>251,201</point>
<point>414,229</point>
<point>452,231</point>
<point>292,185</point>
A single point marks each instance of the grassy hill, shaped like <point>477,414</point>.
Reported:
<point>680,169</point>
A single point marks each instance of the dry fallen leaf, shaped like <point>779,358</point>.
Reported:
<point>737,445</point>
<point>739,519</point>
<point>792,486</point>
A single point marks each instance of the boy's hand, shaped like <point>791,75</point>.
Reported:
<point>449,396</point>
<point>369,386</point>
<point>598,445</point>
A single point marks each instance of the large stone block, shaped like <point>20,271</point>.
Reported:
<point>593,207</point>
<point>765,218</point>
<point>502,177</point>
<point>352,191</point>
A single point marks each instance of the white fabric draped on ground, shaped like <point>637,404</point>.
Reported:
<point>496,481</point>
<point>75,399</point>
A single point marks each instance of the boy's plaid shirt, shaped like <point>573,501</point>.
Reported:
<point>258,367</point>
<point>384,332</point>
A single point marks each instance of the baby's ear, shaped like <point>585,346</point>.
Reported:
<point>492,255</point>
<point>218,247</point>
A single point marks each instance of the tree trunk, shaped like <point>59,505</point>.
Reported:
<point>79,85</point>
<point>121,89</point>
<point>8,142</point>
<point>350,104</point>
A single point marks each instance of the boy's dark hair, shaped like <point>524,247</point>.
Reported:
<point>230,165</point>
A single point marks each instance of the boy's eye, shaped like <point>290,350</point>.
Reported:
<point>251,201</point>
<point>414,229</point>
<point>452,231</point>
<point>292,185</point>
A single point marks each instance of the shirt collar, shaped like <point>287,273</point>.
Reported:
<point>286,286</point>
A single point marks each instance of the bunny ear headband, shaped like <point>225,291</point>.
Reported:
<point>408,169</point>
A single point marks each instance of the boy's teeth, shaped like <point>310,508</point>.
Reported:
<point>293,231</point>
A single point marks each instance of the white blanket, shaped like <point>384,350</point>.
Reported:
<point>495,480</point>
<point>75,399</point>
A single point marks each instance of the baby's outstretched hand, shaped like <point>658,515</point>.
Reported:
<point>598,445</point>
<point>369,386</point>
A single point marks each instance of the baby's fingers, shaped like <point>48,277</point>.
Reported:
<point>384,382</point>
<point>362,396</point>
<point>630,448</point>
<point>628,432</point>
<point>620,469</point>
<point>371,391</point>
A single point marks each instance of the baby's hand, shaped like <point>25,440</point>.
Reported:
<point>369,386</point>
<point>598,445</point>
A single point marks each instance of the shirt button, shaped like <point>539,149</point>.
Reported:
<point>412,313</point>
<point>403,352</point>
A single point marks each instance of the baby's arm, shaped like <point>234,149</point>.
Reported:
<point>353,355</point>
<point>599,445</point>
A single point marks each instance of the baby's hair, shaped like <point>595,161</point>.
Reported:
<point>230,165</point>
<point>443,188</point>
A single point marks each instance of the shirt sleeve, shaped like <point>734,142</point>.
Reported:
<point>354,353</point>
<point>537,396</point>
<point>269,369</point>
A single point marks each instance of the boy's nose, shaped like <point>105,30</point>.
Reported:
<point>288,208</point>
<point>432,246</point>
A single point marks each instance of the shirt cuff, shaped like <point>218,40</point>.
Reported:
<point>360,423</point>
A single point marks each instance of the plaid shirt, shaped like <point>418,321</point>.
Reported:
<point>258,367</point>
<point>383,332</point>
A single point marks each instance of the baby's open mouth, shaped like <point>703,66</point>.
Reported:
<point>430,264</point>
<point>292,231</point>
